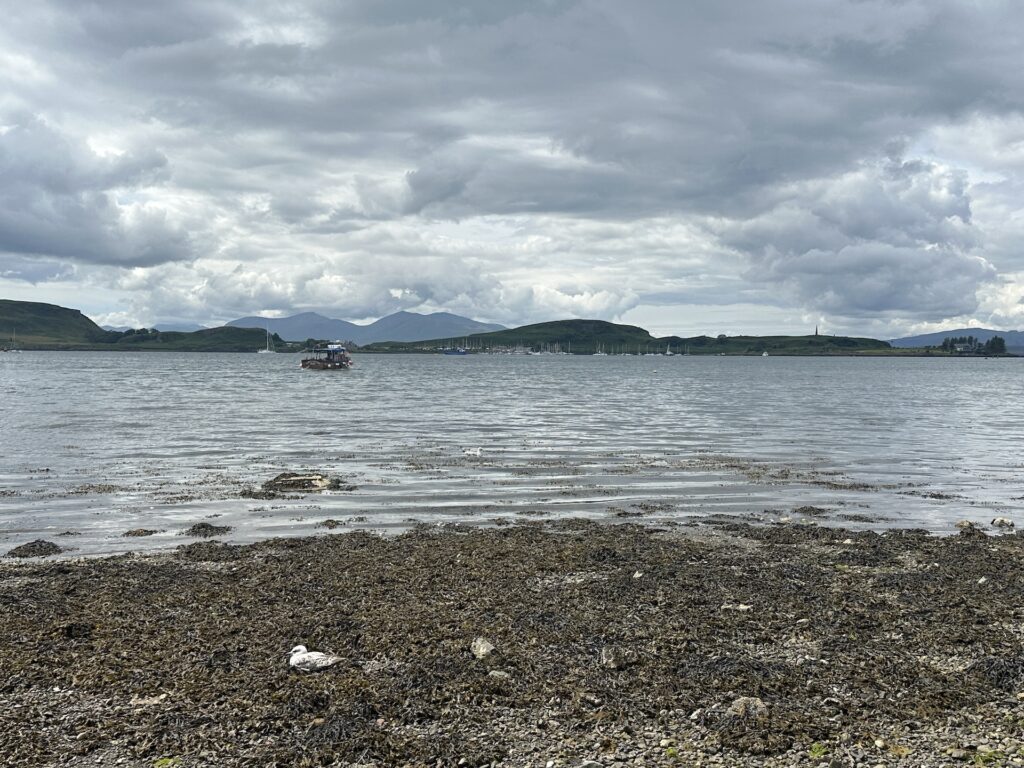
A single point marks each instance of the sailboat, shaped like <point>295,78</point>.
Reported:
<point>268,350</point>
<point>14,342</point>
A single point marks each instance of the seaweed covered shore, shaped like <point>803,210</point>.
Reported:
<point>571,644</point>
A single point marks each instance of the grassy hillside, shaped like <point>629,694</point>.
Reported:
<point>46,326</point>
<point>37,324</point>
<point>587,336</point>
<point>580,335</point>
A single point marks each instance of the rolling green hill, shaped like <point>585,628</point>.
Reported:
<point>588,336</point>
<point>47,326</point>
<point>37,324</point>
<point>580,335</point>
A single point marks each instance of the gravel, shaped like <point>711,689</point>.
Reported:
<point>857,649</point>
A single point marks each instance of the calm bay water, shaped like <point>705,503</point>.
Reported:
<point>98,443</point>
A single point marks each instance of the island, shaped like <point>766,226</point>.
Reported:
<point>590,337</point>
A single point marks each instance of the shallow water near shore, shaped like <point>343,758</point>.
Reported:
<point>95,444</point>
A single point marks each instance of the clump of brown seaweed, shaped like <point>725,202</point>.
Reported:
<point>206,530</point>
<point>37,548</point>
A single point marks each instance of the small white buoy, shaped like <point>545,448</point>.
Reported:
<point>310,661</point>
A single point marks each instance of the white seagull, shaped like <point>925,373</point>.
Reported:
<point>472,452</point>
<point>310,661</point>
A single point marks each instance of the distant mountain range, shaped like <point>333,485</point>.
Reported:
<point>1014,339</point>
<point>401,326</point>
<point>161,326</point>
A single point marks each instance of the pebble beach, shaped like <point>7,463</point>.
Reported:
<point>564,643</point>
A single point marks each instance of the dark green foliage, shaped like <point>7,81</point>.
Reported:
<point>995,346</point>
<point>969,345</point>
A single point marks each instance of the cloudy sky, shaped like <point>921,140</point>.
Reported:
<point>689,167</point>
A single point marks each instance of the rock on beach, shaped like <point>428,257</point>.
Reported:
<point>481,647</point>
<point>37,548</point>
<point>747,708</point>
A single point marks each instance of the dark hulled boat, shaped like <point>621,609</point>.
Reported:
<point>332,357</point>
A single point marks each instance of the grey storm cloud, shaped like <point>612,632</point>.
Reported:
<point>889,237</point>
<point>57,198</point>
<point>817,155</point>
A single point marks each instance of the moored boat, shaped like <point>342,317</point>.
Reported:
<point>332,357</point>
<point>14,344</point>
<point>268,350</point>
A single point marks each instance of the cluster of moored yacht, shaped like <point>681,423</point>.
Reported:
<point>622,350</point>
<point>555,349</point>
<point>335,357</point>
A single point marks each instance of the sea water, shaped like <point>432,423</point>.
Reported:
<point>93,444</point>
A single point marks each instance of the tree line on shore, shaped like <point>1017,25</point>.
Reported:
<point>972,346</point>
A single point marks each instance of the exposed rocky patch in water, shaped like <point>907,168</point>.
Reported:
<point>298,482</point>
<point>531,644</point>
<point>140,532</point>
<point>37,548</point>
<point>206,530</point>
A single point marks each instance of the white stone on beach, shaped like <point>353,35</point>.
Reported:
<point>482,647</point>
<point>613,657</point>
<point>310,661</point>
<point>742,607</point>
<point>747,708</point>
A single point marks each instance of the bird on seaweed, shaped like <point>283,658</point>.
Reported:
<point>305,660</point>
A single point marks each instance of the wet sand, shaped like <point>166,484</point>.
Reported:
<point>615,644</point>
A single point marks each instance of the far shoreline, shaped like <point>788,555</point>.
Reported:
<point>896,352</point>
